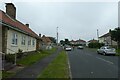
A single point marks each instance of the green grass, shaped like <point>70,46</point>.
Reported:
<point>58,68</point>
<point>118,52</point>
<point>32,58</point>
<point>7,74</point>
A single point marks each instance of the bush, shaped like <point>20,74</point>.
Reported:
<point>10,57</point>
<point>20,53</point>
<point>95,45</point>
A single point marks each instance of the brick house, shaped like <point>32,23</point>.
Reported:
<point>15,35</point>
<point>106,39</point>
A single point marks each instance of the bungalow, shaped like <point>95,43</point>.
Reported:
<point>78,42</point>
<point>106,39</point>
<point>46,42</point>
<point>14,35</point>
<point>91,41</point>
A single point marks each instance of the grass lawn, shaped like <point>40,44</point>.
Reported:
<point>30,59</point>
<point>118,52</point>
<point>58,68</point>
<point>6,74</point>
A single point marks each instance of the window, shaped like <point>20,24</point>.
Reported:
<point>23,40</point>
<point>14,39</point>
<point>33,42</point>
<point>29,41</point>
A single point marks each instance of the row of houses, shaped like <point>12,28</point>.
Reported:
<point>15,35</point>
<point>78,42</point>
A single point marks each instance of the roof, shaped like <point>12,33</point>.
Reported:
<point>16,24</point>
<point>46,39</point>
<point>105,35</point>
<point>93,41</point>
<point>78,40</point>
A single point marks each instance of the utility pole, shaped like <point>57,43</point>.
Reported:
<point>57,36</point>
<point>98,35</point>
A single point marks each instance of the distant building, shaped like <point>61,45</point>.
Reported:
<point>47,42</point>
<point>106,39</point>
<point>78,42</point>
<point>14,35</point>
<point>91,41</point>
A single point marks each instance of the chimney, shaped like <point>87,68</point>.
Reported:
<point>11,10</point>
<point>39,35</point>
<point>27,25</point>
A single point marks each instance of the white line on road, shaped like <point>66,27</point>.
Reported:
<point>70,74</point>
<point>105,60</point>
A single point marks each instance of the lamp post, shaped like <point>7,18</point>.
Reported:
<point>57,36</point>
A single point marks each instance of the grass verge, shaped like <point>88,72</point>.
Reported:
<point>118,52</point>
<point>58,68</point>
<point>7,74</point>
<point>30,59</point>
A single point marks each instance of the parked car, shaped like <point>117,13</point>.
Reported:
<point>68,48</point>
<point>106,50</point>
<point>80,47</point>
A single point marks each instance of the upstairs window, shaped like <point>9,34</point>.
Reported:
<point>14,39</point>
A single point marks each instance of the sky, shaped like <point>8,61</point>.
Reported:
<point>75,19</point>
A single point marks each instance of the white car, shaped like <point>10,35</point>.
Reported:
<point>106,50</point>
<point>80,47</point>
<point>68,48</point>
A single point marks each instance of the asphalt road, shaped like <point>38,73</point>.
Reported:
<point>87,63</point>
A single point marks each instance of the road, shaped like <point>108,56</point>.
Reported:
<point>87,63</point>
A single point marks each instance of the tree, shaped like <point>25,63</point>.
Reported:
<point>62,42</point>
<point>115,35</point>
<point>67,41</point>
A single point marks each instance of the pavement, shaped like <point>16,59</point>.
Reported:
<point>34,70</point>
<point>87,63</point>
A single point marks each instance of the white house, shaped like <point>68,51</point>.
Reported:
<point>106,39</point>
<point>15,35</point>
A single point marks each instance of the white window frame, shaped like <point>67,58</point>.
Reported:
<point>23,39</point>
<point>14,39</point>
<point>29,40</point>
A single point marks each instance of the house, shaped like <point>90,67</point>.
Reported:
<point>106,39</point>
<point>91,41</point>
<point>78,42</point>
<point>14,35</point>
<point>46,42</point>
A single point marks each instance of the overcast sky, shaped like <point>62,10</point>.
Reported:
<point>76,20</point>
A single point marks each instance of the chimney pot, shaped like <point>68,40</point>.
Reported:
<point>11,10</point>
<point>27,25</point>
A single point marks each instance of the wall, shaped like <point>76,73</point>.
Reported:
<point>0,38</point>
<point>14,48</point>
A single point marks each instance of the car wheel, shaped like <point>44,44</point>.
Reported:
<point>104,53</point>
<point>98,52</point>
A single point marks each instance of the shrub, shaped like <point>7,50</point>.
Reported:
<point>20,53</point>
<point>10,57</point>
<point>95,45</point>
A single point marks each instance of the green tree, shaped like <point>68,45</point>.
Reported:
<point>67,41</point>
<point>115,35</point>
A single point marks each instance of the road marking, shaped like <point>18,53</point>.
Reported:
<point>105,60</point>
<point>70,74</point>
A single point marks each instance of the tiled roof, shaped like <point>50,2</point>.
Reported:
<point>16,24</point>
<point>46,39</point>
